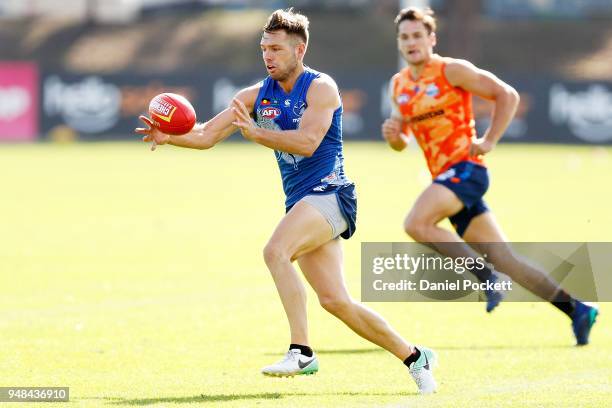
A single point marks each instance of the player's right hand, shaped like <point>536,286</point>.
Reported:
<point>151,133</point>
<point>392,133</point>
<point>391,129</point>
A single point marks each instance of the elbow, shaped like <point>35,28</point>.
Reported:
<point>308,151</point>
<point>513,96</point>
<point>205,137</point>
<point>313,142</point>
<point>205,145</point>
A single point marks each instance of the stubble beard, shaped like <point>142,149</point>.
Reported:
<point>285,75</point>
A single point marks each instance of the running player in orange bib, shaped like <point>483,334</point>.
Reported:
<point>432,101</point>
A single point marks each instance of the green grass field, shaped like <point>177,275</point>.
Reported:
<point>136,279</point>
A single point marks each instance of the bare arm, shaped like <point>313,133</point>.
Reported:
<point>392,126</point>
<point>206,135</point>
<point>486,85</point>
<point>203,135</point>
<point>322,100</point>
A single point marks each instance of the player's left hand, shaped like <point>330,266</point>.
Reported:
<point>481,146</point>
<point>243,119</point>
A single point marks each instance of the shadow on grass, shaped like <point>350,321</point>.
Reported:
<point>204,398</point>
<point>195,398</point>
<point>341,351</point>
<point>503,347</point>
<point>439,348</point>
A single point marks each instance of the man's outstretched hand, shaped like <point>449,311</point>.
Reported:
<point>151,133</point>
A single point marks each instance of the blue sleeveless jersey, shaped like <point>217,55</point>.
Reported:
<point>323,172</point>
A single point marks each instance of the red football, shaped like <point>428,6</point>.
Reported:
<point>172,114</point>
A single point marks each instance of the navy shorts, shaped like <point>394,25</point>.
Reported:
<point>469,181</point>
<point>347,201</point>
<point>347,198</point>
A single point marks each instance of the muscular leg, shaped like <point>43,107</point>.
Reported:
<point>322,268</point>
<point>433,205</point>
<point>301,230</point>
<point>438,202</point>
<point>485,236</point>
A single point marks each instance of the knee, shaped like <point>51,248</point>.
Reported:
<point>274,252</point>
<point>416,229</point>
<point>336,305</point>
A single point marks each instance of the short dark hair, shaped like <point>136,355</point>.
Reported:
<point>289,21</point>
<point>426,16</point>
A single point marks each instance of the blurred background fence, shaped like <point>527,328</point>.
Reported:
<point>85,69</point>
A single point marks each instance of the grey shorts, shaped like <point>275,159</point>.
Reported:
<point>327,205</point>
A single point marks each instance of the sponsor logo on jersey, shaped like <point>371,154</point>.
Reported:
<point>403,99</point>
<point>270,113</point>
<point>428,115</point>
<point>299,108</point>
<point>287,103</point>
<point>432,90</point>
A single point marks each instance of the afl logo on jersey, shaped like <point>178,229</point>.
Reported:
<point>403,99</point>
<point>270,113</point>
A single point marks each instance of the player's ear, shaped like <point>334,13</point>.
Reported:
<point>434,39</point>
<point>300,50</point>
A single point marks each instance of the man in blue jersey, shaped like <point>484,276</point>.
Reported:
<point>298,114</point>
